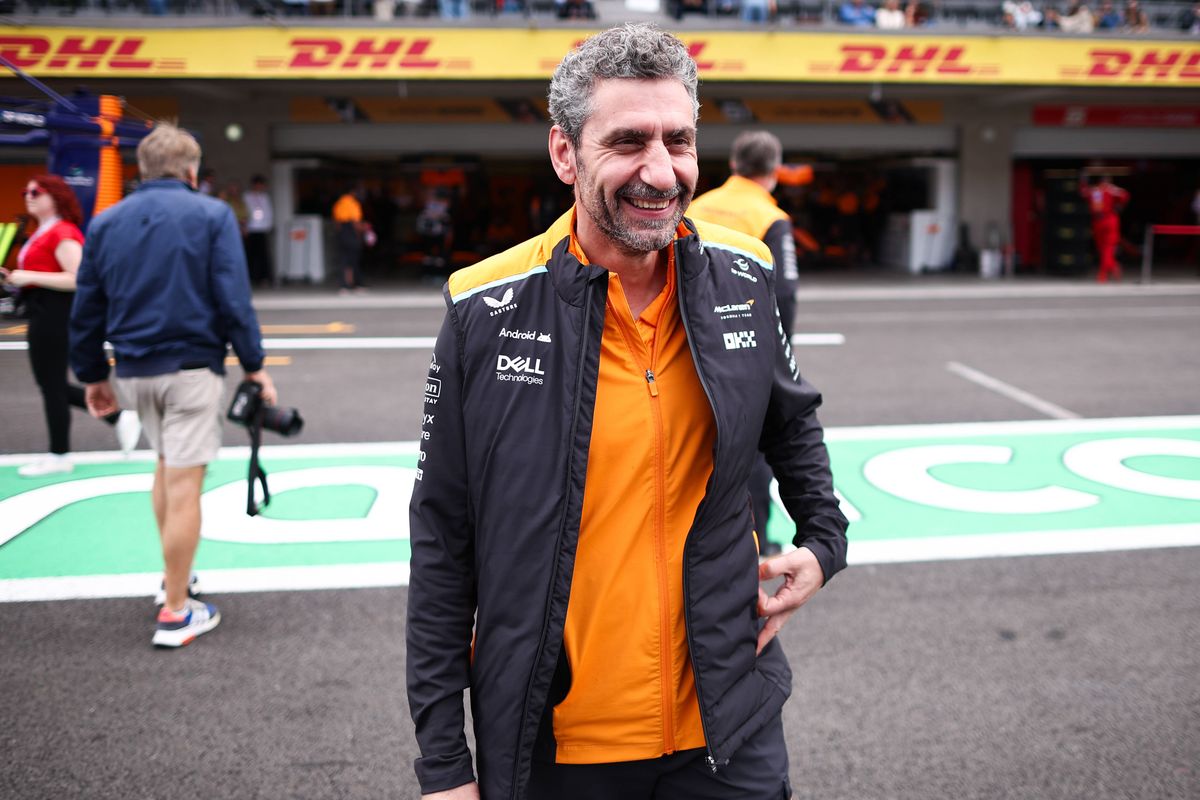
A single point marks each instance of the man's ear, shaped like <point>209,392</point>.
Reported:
<point>193,177</point>
<point>562,156</point>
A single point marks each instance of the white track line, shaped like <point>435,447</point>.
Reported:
<point>1011,392</point>
<point>935,316</point>
<point>970,290</point>
<point>1024,543</point>
<point>396,573</point>
<point>216,581</point>
<point>817,339</point>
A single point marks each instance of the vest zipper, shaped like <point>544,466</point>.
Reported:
<point>562,528</point>
<point>680,283</point>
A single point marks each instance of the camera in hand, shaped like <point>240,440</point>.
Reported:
<point>249,410</point>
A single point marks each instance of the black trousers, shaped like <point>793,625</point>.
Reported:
<point>258,256</point>
<point>349,256</point>
<point>757,771</point>
<point>49,315</point>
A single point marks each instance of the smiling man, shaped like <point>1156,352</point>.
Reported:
<point>583,552</point>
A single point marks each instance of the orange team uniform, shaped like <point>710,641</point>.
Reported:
<point>632,694</point>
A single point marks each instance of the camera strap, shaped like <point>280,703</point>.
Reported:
<point>257,473</point>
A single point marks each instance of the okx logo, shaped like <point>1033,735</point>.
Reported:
<point>519,369</point>
<point>739,340</point>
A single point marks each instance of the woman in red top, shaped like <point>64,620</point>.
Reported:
<point>45,274</point>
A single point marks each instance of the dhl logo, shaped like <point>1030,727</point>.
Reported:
<point>1181,64</point>
<point>107,52</point>
<point>878,59</point>
<point>103,53</point>
<point>382,53</point>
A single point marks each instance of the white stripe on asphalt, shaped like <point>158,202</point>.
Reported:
<point>868,433</point>
<point>1028,543</point>
<point>817,339</point>
<point>994,291</point>
<point>216,581</point>
<point>318,450</point>
<point>1011,392</point>
<point>936,316</point>
<point>396,573</point>
<point>427,342</point>
<point>353,343</point>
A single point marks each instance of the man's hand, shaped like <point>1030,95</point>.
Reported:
<point>100,399</point>
<point>261,377</point>
<point>468,791</point>
<point>802,576</point>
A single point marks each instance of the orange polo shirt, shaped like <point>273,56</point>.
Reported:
<point>633,695</point>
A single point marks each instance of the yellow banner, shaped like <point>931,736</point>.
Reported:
<point>507,54</point>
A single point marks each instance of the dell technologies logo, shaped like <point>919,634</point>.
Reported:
<point>519,369</point>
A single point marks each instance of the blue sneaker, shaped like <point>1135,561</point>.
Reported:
<point>160,596</point>
<point>177,628</point>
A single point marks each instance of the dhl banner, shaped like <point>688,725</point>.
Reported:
<point>507,54</point>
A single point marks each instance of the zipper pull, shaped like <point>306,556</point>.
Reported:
<point>713,764</point>
<point>651,384</point>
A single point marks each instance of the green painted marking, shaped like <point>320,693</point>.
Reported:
<point>115,534</point>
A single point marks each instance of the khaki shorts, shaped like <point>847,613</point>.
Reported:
<point>181,413</point>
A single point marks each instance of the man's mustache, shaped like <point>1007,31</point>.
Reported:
<point>644,191</point>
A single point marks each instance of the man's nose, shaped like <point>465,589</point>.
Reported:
<point>657,169</point>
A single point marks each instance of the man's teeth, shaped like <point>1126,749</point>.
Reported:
<point>649,205</point>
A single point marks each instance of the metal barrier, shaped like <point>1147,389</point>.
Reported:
<point>1161,230</point>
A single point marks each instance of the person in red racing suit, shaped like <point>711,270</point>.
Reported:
<point>1105,200</point>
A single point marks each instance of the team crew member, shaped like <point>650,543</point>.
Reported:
<point>45,274</point>
<point>1106,200</point>
<point>745,203</point>
<point>164,279</point>
<point>349,229</point>
<point>583,556</point>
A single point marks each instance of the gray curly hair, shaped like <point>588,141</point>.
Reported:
<point>632,50</point>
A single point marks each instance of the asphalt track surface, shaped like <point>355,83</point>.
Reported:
<point>1068,676</point>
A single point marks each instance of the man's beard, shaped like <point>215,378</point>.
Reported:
<point>632,236</point>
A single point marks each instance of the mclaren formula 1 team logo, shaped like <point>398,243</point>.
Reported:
<point>735,310</point>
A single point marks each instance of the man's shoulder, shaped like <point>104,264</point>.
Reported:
<point>734,242</point>
<point>509,267</point>
<point>741,202</point>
